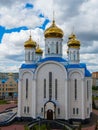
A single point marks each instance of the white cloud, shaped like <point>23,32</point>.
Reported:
<point>17,16</point>
<point>12,48</point>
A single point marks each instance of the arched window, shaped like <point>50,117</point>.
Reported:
<point>33,55</point>
<point>77,111</point>
<point>74,55</point>
<point>24,109</point>
<point>28,56</point>
<point>28,109</point>
<point>44,88</point>
<point>48,50</point>
<point>87,110</point>
<point>56,84</point>
<point>50,85</point>
<point>73,110</point>
<point>75,89</point>
<point>57,47</point>
<point>26,88</point>
<point>58,110</point>
<point>77,55</point>
<point>87,90</point>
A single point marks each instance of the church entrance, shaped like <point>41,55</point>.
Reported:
<point>50,110</point>
<point>49,114</point>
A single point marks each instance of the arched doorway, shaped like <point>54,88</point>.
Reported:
<point>49,114</point>
<point>50,110</point>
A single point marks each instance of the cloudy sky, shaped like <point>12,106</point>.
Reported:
<point>18,17</point>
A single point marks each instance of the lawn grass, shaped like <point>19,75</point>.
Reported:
<point>26,127</point>
<point>95,98</point>
<point>36,127</point>
<point>3,102</point>
<point>41,127</point>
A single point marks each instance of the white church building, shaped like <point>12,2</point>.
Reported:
<point>54,87</point>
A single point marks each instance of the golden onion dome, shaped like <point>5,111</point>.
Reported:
<point>30,43</point>
<point>10,74</point>
<point>53,31</point>
<point>39,50</point>
<point>73,42</point>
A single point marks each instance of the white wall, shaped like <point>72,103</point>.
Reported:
<point>76,103</point>
<point>29,101</point>
<point>59,73</point>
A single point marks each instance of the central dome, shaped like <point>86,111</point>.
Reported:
<point>53,31</point>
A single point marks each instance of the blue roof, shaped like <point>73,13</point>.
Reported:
<point>4,80</point>
<point>23,66</point>
<point>81,65</point>
<point>76,66</point>
<point>87,73</point>
<point>57,59</point>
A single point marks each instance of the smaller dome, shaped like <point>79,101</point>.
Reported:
<point>53,31</point>
<point>30,43</point>
<point>73,42</point>
<point>71,36</point>
<point>39,50</point>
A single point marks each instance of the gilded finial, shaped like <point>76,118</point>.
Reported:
<point>30,43</point>
<point>73,29</point>
<point>53,18</point>
<point>53,30</point>
<point>53,15</point>
<point>38,41</point>
<point>30,34</point>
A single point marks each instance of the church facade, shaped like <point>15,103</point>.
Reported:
<point>53,87</point>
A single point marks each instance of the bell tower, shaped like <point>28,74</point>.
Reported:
<point>73,49</point>
<point>30,47</point>
<point>39,53</point>
<point>53,41</point>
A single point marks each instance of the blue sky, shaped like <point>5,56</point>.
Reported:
<point>17,18</point>
<point>18,29</point>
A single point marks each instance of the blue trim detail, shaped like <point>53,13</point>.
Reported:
<point>57,59</point>
<point>81,65</point>
<point>24,66</point>
<point>75,66</point>
<point>87,73</point>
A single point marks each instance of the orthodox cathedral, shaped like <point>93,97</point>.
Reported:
<point>53,87</point>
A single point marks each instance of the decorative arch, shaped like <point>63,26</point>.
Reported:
<point>24,72</point>
<point>71,72</point>
<point>50,110</point>
<point>51,62</point>
<point>75,84</point>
